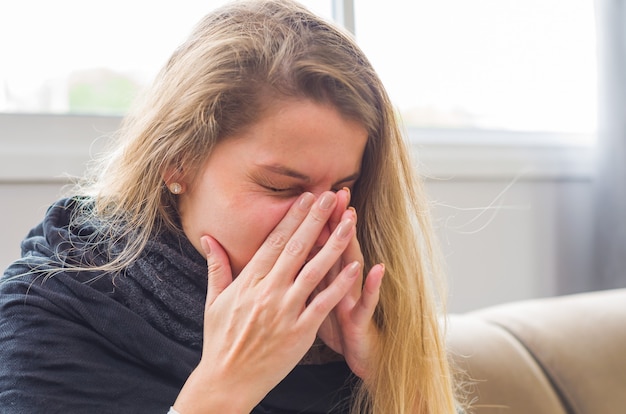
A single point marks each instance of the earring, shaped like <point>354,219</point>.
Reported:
<point>176,188</point>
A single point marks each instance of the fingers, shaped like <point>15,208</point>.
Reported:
<point>298,247</point>
<point>285,250</point>
<point>353,253</point>
<point>265,258</point>
<point>219,272</point>
<point>343,201</point>
<point>296,234</point>
<point>365,307</point>
<point>327,299</point>
<point>316,269</point>
<point>345,259</point>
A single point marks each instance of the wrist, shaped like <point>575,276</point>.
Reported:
<point>201,395</point>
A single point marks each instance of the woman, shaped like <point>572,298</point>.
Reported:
<point>261,130</point>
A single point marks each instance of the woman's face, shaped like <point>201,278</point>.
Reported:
<point>251,179</point>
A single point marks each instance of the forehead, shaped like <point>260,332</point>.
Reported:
<point>305,135</point>
<point>309,133</point>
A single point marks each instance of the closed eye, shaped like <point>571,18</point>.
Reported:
<point>292,189</point>
<point>282,191</point>
<point>277,190</point>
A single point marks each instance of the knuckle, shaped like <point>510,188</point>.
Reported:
<point>321,304</point>
<point>310,275</point>
<point>214,267</point>
<point>264,298</point>
<point>276,240</point>
<point>294,247</point>
<point>317,216</point>
<point>257,276</point>
<point>336,245</point>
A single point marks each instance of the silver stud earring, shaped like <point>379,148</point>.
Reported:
<point>176,188</point>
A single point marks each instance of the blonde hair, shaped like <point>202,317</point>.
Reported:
<point>216,83</point>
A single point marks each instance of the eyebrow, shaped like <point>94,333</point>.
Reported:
<point>289,172</point>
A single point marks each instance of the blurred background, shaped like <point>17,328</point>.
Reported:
<point>514,110</point>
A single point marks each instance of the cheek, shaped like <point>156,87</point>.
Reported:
<point>246,226</point>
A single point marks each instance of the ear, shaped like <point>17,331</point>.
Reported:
<point>173,178</point>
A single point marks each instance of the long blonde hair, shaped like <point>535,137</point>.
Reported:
<point>216,83</point>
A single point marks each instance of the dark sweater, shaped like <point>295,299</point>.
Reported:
<point>90,343</point>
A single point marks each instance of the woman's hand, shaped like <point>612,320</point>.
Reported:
<point>258,326</point>
<point>349,329</point>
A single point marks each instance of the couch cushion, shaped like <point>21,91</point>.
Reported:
<point>579,341</point>
<point>504,377</point>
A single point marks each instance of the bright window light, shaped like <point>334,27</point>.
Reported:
<point>493,64</point>
<point>73,56</point>
<point>448,64</point>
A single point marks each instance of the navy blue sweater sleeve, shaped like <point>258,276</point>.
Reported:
<point>65,347</point>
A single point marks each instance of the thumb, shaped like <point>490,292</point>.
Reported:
<point>219,272</point>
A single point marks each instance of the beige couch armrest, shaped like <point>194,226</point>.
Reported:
<point>553,356</point>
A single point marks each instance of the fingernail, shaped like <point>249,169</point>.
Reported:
<point>353,268</point>
<point>347,190</point>
<point>327,201</point>
<point>204,242</point>
<point>353,210</point>
<point>344,228</point>
<point>306,201</point>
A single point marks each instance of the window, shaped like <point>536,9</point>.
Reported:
<point>486,64</point>
<point>459,68</point>
<point>72,56</point>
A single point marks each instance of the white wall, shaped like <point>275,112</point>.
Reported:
<point>22,207</point>
<point>534,242</point>
<point>514,222</point>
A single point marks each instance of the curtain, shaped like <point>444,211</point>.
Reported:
<point>610,185</point>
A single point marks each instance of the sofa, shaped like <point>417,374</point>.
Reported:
<point>558,355</point>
